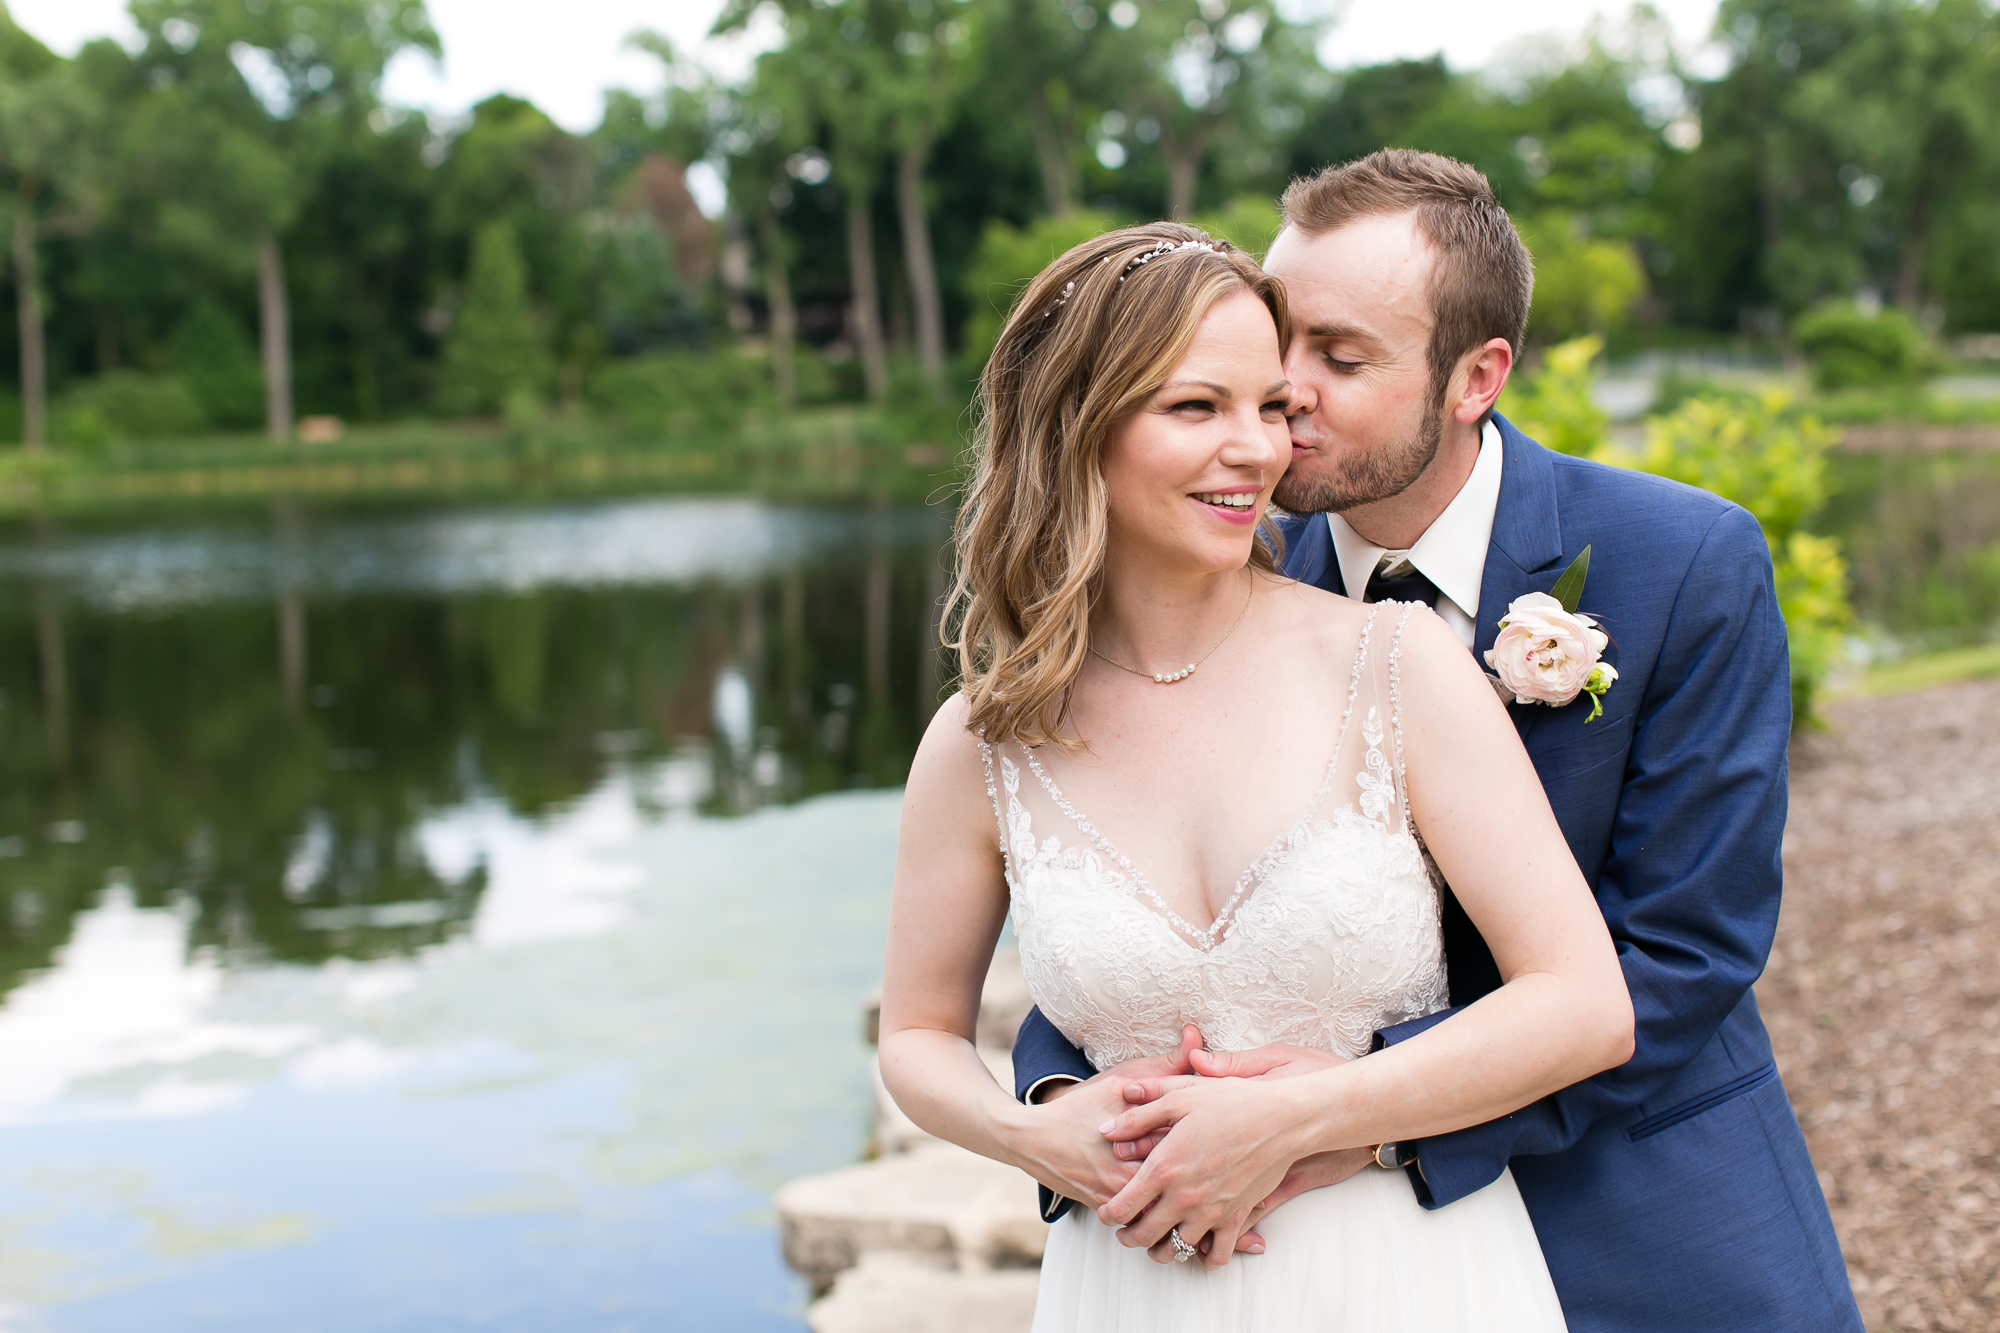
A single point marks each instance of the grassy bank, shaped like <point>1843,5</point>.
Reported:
<point>1981,662</point>
<point>828,453</point>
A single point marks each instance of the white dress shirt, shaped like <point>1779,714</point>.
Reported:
<point>1452,551</point>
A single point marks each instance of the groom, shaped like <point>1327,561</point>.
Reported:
<point>1674,1192</point>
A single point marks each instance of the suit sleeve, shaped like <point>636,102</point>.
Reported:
<point>1690,887</point>
<point>1041,1052</point>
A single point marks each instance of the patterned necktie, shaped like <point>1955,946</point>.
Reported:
<point>1396,579</point>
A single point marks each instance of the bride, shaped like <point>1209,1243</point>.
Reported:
<point>1211,796</point>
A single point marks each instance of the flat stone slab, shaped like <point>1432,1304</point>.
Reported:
<point>937,1204</point>
<point>893,1293</point>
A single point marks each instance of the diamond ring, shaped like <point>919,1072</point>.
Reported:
<point>1182,1250</point>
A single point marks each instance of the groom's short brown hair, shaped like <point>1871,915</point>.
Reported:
<point>1483,280</point>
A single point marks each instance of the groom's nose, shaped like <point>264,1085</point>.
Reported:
<point>1305,391</point>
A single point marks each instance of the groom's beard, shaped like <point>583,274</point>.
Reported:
<point>1365,477</point>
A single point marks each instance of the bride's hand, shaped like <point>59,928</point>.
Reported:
<point>1232,1144</point>
<point>1066,1152</point>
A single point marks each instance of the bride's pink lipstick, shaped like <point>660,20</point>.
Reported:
<point>1243,517</point>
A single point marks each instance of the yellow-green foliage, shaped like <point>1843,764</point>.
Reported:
<point>1773,463</point>
<point>1553,406</point>
<point>1582,284</point>
<point>1757,452</point>
<point>1249,222</point>
<point>1007,258</point>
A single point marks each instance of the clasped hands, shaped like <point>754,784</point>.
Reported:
<point>1200,1142</point>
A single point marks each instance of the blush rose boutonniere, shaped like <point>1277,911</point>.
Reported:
<point>1548,652</point>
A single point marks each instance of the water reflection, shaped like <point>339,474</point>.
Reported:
<point>252,721</point>
<point>444,918</point>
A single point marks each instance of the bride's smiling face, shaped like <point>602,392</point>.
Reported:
<point>1188,475</point>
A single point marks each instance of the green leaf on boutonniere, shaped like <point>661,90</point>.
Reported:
<point>1569,588</point>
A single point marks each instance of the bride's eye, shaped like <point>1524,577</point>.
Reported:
<point>1193,406</point>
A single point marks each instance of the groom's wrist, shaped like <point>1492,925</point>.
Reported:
<point>1048,1088</point>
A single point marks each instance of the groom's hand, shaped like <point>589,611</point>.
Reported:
<point>1312,1173</point>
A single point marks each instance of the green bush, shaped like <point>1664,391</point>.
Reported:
<point>1773,463</point>
<point>217,361</point>
<point>10,417</point>
<point>1582,284</point>
<point>1248,222</point>
<point>1553,406</point>
<point>122,406</point>
<point>496,350</point>
<point>1849,348</point>
<point>681,389</point>
<point>1006,259</point>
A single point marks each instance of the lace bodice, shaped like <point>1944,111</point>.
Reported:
<point>1328,936</point>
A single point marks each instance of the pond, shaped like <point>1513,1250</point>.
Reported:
<point>444,918</point>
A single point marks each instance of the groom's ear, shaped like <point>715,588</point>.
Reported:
<point>1483,374</point>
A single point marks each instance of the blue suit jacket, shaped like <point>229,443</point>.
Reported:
<point>1674,1192</point>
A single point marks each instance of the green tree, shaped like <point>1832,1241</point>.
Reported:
<point>248,99</point>
<point>44,149</point>
<point>1910,104</point>
<point>1206,72</point>
<point>496,352</point>
<point>218,363</point>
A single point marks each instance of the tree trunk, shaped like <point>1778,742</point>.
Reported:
<point>275,328</point>
<point>1910,264</point>
<point>1058,167</point>
<point>28,305</point>
<point>55,675</point>
<point>867,299</point>
<point>1183,170</point>
<point>922,266</point>
<point>784,315</point>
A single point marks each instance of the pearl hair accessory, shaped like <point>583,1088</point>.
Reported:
<point>1068,289</point>
<point>1164,248</point>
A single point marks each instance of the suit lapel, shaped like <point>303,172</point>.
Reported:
<point>1526,552</point>
<point>1309,554</point>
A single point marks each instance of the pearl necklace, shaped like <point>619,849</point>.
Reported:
<point>1176,677</point>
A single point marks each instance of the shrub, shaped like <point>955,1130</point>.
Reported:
<point>681,389</point>
<point>215,358</point>
<point>121,406</point>
<point>1248,222</point>
<point>1582,284</point>
<point>496,349</point>
<point>1553,404</point>
<point>1006,259</point>
<point>1849,348</point>
<point>1773,463</point>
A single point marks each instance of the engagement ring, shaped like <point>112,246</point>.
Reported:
<point>1182,1250</point>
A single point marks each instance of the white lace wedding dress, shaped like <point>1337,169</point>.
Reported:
<point>1330,935</point>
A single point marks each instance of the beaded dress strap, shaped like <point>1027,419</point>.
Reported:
<point>1396,712</point>
<point>993,792</point>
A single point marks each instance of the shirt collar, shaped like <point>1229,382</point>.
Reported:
<point>1452,551</point>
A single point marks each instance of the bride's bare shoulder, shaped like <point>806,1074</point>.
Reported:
<point>1318,620</point>
<point>948,774</point>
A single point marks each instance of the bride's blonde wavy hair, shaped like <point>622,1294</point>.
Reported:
<point>1089,341</point>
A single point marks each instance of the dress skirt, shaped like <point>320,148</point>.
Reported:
<point>1362,1256</point>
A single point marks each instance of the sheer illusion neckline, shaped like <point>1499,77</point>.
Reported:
<point>1209,939</point>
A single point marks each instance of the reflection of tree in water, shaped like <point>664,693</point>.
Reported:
<point>280,799</point>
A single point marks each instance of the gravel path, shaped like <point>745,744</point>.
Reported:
<point>1883,996</point>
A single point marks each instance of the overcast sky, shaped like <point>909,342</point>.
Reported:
<point>562,54</point>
